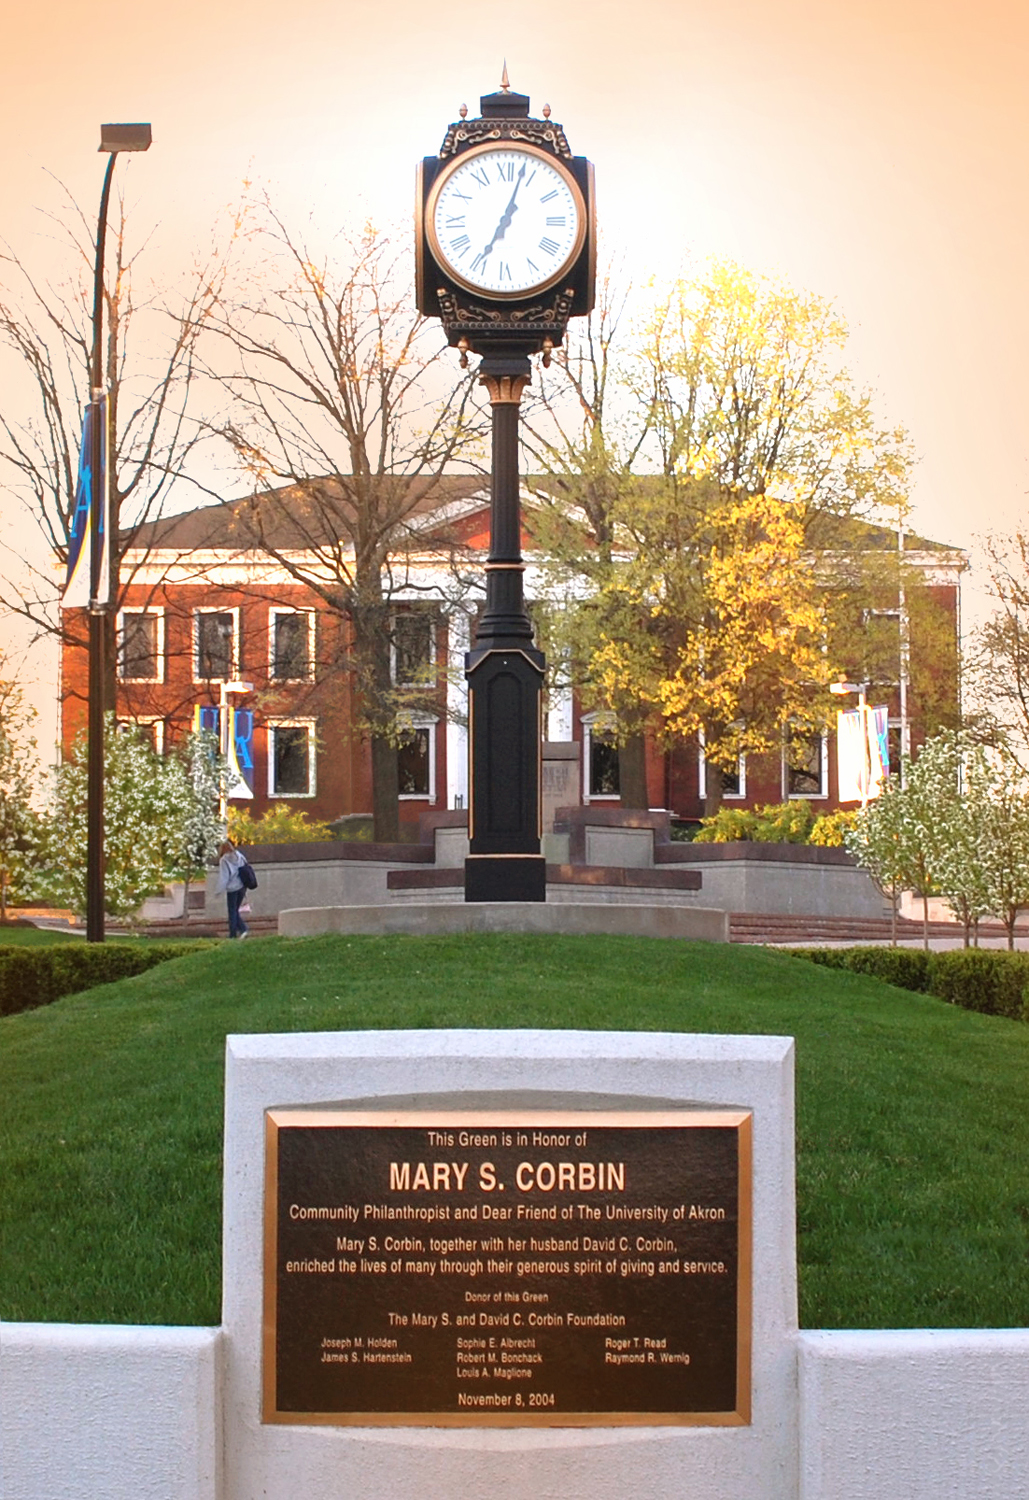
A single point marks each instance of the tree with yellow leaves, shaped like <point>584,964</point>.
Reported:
<point>732,446</point>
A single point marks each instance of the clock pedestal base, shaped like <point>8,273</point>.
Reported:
<point>505,745</point>
<point>501,877</point>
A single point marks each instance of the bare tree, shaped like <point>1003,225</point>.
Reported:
<point>151,373</point>
<point>346,422</point>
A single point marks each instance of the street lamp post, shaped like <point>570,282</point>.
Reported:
<point>113,139</point>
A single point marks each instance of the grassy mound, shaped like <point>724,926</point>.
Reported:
<point>912,1132</point>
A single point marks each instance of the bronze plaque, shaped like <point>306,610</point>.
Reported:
<point>507,1268</point>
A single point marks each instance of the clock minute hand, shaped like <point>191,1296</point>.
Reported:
<point>505,222</point>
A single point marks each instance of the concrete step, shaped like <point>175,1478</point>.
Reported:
<point>784,928</point>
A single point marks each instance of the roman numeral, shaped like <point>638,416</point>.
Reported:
<point>480,177</point>
<point>465,197</point>
<point>505,271</point>
<point>456,221</point>
<point>557,221</point>
<point>532,265</point>
<point>506,171</point>
<point>550,246</point>
<point>547,196</point>
<point>480,260</point>
<point>461,245</point>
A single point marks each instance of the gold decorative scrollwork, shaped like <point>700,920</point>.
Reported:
<point>465,133</point>
<point>474,315</point>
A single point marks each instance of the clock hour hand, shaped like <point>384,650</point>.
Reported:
<point>505,222</point>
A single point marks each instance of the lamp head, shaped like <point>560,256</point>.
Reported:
<point>125,138</point>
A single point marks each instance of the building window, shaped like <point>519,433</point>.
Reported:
<point>291,758</point>
<point>291,645</point>
<point>215,645</point>
<point>601,777</point>
<point>148,727</point>
<point>416,760</point>
<point>734,781</point>
<point>413,654</point>
<point>141,645</point>
<point>806,767</point>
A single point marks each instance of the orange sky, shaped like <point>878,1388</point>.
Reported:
<point>876,152</point>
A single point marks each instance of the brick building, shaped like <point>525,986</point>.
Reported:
<point>206,606</point>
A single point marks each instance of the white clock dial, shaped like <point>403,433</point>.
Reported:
<point>506,220</point>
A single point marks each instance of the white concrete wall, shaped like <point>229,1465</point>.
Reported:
<point>359,882</point>
<point>768,886</point>
<point>98,1413</point>
<point>915,1415</point>
<point>423,915</point>
<point>757,1462</point>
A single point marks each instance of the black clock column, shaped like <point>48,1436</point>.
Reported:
<point>505,680</point>
<point>505,327</point>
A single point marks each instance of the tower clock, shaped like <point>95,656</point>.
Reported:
<point>505,247</point>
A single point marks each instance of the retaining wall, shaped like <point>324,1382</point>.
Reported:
<point>98,1413</point>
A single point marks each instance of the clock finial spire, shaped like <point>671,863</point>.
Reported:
<point>505,82</point>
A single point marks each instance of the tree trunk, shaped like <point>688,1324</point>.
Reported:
<point>925,921</point>
<point>713,792</point>
<point>632,772</point>
<point>893,916</point>
<point>1009,923</point>
<point>385,791</point>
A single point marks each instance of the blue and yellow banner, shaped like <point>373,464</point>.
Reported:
<point>77,590</point>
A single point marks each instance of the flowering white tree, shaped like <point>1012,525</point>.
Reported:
<point>1002,847</point>
<point>160,820</point>
<point>197,775</point>
<point>879,843</point>
<point>961,875</point>
<point>19,775</point>
<point>902,838</point>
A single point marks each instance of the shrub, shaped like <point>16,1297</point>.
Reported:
<point>830,829</point>
<point>991,981</point>
<point>776,823</point>
<point>784,823</point>
<point>907,968</point>
<point>30,977</point>
<point>280,825</point>
<point>729,825</point>
<point>983,979</point>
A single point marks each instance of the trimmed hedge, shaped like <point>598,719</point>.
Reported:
<point>992,981</point>
<point>30,977</point>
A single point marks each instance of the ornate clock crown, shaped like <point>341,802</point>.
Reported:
<point>505,117</point>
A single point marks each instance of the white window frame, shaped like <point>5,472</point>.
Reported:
<point>819,796</point>
<point>741,763</point>
<point>604,722</point>
<point>433,662</point>
<point>273,615</point>
<point>144,721</point>
<point>233,610</point>
<point>429,722</point>
<point>157,611</point>
<point>890,614</point>
<point>271,725</point>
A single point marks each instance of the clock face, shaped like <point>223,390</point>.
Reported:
<point>506,220</point>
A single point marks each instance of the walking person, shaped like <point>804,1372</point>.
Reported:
<point>230,862</point>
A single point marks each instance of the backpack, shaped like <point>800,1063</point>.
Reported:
<point>245,871</point>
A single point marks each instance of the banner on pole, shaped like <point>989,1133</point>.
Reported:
<point>862,752</point>
<point>77,585</point>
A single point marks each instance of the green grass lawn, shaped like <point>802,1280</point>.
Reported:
<point>35,937</point>
<point>912,1126</point>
